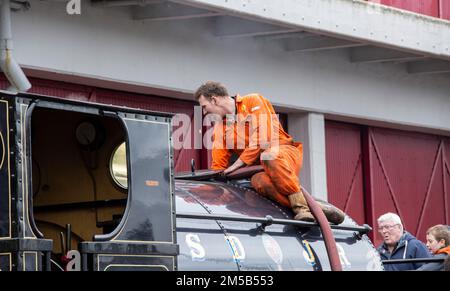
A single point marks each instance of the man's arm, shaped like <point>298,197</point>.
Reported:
<point>236,165</point>
<point>220,154</point>
<point>220,159</point>
<point>261,129</point>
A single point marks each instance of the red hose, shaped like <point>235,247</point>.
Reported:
<point>328,237</point>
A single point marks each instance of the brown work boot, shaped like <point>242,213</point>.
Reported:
<point>300,207</point>
<point>333,214</point>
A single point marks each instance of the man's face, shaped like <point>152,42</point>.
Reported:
<point>390,231</point>
<point>432,244</point>
<point>211,106</point>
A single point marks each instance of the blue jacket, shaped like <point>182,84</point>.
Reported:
<point>408,247</point>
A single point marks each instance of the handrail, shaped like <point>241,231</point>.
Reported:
<point>419,260</point>
<point>269,220</point>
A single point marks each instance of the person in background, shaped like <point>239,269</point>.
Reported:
<point>438,242</point>
<point>399,244</point>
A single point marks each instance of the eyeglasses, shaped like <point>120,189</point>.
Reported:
<point>386,227</point>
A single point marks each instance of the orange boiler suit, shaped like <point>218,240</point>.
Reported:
<point>257,137</point>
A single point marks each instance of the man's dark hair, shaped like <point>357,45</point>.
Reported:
<point>210,89</point>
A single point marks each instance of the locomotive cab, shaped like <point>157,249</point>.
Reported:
<point>72,204</point>
<point>73,197</point>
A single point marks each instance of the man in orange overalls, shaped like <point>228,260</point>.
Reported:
<point>250,128</point>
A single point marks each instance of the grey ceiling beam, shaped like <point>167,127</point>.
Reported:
<point>297,34</point>
<point>359,21</point>
<point>119,3</point>
<point>429,67</point>
<point>21,5</point>
<point>317,43</point>
<point>170,11</point>
<point>371,54</point>
<point>228,26</point>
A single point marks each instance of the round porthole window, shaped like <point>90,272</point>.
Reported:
<point>118,166</point>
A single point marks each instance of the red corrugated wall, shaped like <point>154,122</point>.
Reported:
<point>427,7</point>
<point>444,9</point>
<point>371,171</point>
<point>407,173</point>
<point>182,158</point>
<point>344,168</point>
<point>446,171</point>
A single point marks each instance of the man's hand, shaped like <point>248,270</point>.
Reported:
<point>238,164</point>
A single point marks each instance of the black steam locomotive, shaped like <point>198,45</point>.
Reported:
<point>92,187</point>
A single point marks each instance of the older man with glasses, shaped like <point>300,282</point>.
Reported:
<point>399,244</point>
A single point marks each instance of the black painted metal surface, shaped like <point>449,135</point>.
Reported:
<point>149,214</point>
<point>216,244</point>
<point>145,239</point>
<point>5,187</point>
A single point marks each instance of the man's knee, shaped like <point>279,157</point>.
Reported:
<point>260,180</point>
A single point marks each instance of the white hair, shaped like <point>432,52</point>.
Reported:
<point>392,217</point>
